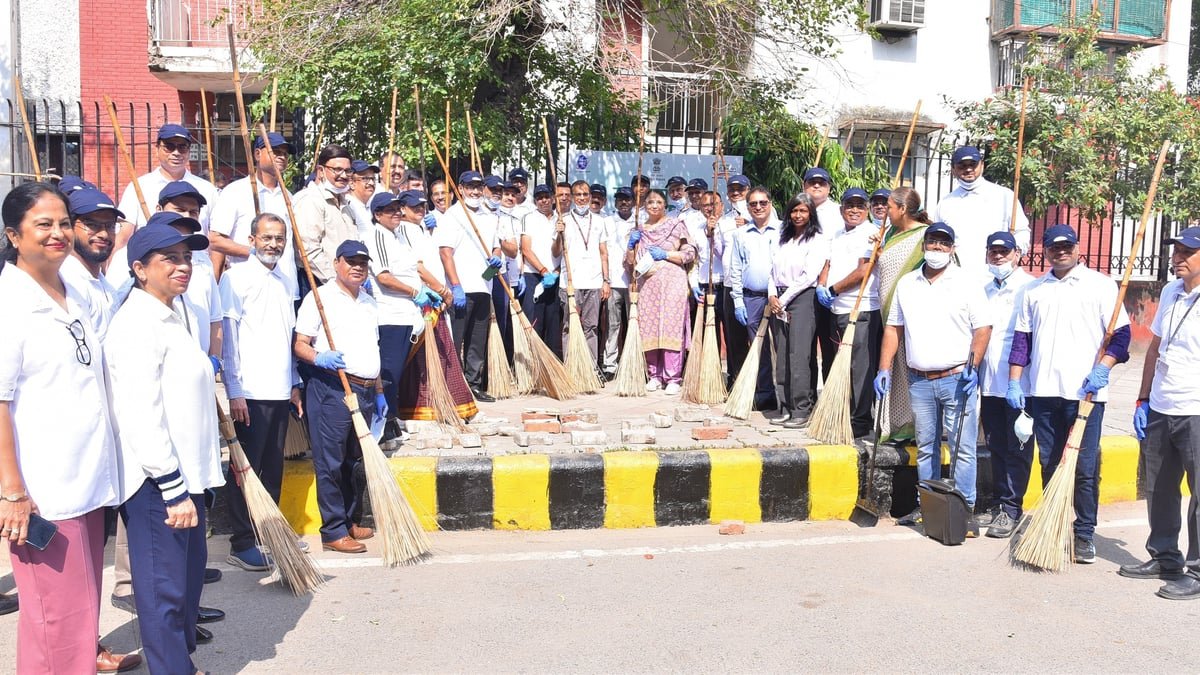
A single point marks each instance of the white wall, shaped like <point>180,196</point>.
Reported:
<point>49,50</point>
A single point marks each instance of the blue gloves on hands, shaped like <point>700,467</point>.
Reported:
<point>824,296</point>
<point>460,297</point>
<point>1141,417</point>
<point>739,313</point>
<point>330,360</point>
<point>520,289</point>
<point>549,279</point>
<point>495,262</point>
<point>634,238</point>
<point>216,364</point>
<point>381,406</point>
<point>969,380</point>
<point>1096,380</point>
<point>1014,396</point>
<point>426,298</point>
<point>657,253</point>
<point>430,221</point>
<point>697,293</point>
<point>883,383</point>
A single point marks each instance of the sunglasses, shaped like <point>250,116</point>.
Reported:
<point>759,204</point>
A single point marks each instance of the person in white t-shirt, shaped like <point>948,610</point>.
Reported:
<point>818,186</point>
<point>172,148</point>
<point>585,240</point>
<point>362,188</point>
<point>542,269</point>
<point>95,225</point>
<point>621,225</point>
<point>519,178</point>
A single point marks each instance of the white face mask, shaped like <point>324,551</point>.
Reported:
<point>1023,427</point>
<point>494,204</point>
<point>337,190</point>
<point>969,186</point>
<point>1002,271</point>
<point>679,203</point>
<point>472,202</point>
<point>937,259</point>
<point>581,210</point>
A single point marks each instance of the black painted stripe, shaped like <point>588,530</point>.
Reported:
<point>576,491</point>
<point>682,488</point>
<point>464,489</point>
<point>783,488</point>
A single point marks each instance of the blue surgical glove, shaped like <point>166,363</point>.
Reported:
<point>330,360</point>
<point>883,383</point>
<point>968,380</point>
<point>381,406</point>
<point>739,313</point>
<point>1096,380</point>
<point>460,297</point>
<point>697,293</point>
<point>634,238</point>
<point>549,279</point>
<point>216,364</point>
<point>426,298</point>
<point>430,221</point>
<point>521,285</point>
<point>1014,396</point>
<point>1141,415</point>
<point>495,261</point>
<point>657,253</point>
<point>824,296</point>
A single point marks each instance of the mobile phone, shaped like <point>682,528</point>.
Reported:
<point>40,532</point>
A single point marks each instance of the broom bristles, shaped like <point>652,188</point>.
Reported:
<point>444,409</point>
<point>1048,542</point>
<point>404,540</point>
<point>296,443</point>
<point>500,375</point>
<point>631,369</point>
<point>741,396</point>
<point>712,380</point>
<point>691,370</point>
<point>580,365</point>
<point>830,422</point>
<point>524,369</point>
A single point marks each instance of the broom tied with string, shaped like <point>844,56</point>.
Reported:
<point>710,385</point>
<point>631,368</point>
<point>830,421</point>
<point>1047,542</point>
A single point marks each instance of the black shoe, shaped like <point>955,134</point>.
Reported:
<point>1151,570</point>
<point>124,602</point>
<point>8,604</point>
<point>860,434</point>
<point>211,575</point>
<point>482,396</point>
<point>203,636</point>
<point>1002,527</point>
<point>913,518</point>
<point>1185,588</point>
<point>972,527</point>
<point>209,615</point>
<point>779,418</point>
<point>1085,551</point>
<point>797,422</point>
<point>609,377</point>
<point>988,517</point>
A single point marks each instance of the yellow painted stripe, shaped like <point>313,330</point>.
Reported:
<point>629,488</point>
<point>736,478</point>
<point>417,477</point>
<point>1033,495</point>
<point>1118,469</point>
<point>911,451</point>
<point>832,481</point>
<point>521,492</point>
<point>298,497</point>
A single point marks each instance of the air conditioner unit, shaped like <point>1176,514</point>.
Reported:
<point>897,16</point>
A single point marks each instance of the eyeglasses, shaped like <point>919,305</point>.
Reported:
<point>97,226</point>
<point>817,182</point>
<point>760,204</point>
<point>938,244</point>
<point>336,171</point>
<point>175,146</point>
<point>82,353</point>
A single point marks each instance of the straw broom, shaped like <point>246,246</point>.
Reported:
<point>271,529</point>
<point>444,409</point>
<point>690,390</point>
<point>404,540</point>
<point>830,420</point>
<point>296,443</point>
<point>212,169</point>
<point>710,387</point>
<point>33,154</point>
<point>741,396</point>
<point>631,368</point>
<point>1047,543</point>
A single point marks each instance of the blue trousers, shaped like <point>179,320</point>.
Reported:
<point>544,313</point>
<point>167,566</point>
<point>936,406</point>
<point>764,392</point>
<point>335,452</point>
<point>1011,460</point>
<point>1052,420</point>
<point>394,344</point>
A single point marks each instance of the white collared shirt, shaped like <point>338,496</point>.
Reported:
<point>974,214</point>
<point>61,421</point>
<point>697,226</point>
<point>618,244</point>
<point>847,249</point>
<point>583,236</point>
<point>1004,299</point>
<point>354,323</point>
<point>361,214</point>
<point>1175,389</point>
<point>234,211</point>
<point>152,184</point>
<point>796,266</point>
<point>1067,318</point>
<point>391,253</point>
<point>540,230</point>
<point>164,399</point>
<point>939,317</point>
<point>470,259</point>
<point>508,228</point>
<point>829,215</point>
<point>97,291</point>
<point>260,301</point>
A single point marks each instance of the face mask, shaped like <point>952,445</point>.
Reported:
<point>581,210</point>
<point>472,202</point>
<point>1023,427</point>
<point>969,186</point>
<point>337,190</point>
<point>493,204</point>
<point>678,203</point>
<point>1001,272</point>
<point>937,259</point>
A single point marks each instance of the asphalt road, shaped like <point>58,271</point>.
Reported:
<point>811,597</point>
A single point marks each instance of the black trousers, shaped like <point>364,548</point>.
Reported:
<point>1012,460</point>
<point>737,340</point>
<point>1170,452</point>
<point>544,313</point>
<point>794,342</point>
<point>335,452</point>
<point>262,441</point>
<point>395,342</point>
<point>471,325</point>
<point>864,362</point>
<point>500,302</point>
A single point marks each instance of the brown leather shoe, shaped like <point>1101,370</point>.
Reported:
<point>359,532</point>
<point>108,662</point>
<point>345,545</point>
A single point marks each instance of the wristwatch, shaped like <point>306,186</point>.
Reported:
<point>18,497</point>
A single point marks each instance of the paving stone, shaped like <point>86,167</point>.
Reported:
<point>524,439</point>
<point>711,433</point>
<point>580,415</point>
<point>538,414</point>
<point>470,440</point>
<point>441,442</point>
<point>691,414</point>
<point>589,438</point>
<point>732,527</point>
<point>485,429</point>
<point>638,436</point>
<point>661,420</point>
<point>421,426</point>
<point>579,425</point>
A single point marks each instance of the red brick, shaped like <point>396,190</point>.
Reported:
<point>549,426</point>
<point>535,416</point>
<point>732,527</point>
<point>711,433</point>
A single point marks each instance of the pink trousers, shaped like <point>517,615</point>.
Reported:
<point>665,365</point>
<point>59,591</point>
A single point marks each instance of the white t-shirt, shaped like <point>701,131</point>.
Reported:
<point>584,236</point>
<point>540,230</point>
<point>974,214</point>
<point>423,243</point>
<point>361,215</point>
<point>1004,301</point>
<point>846,249</point>
<point>470,259</point>
<point>508,228</point>
<point>354,323</point>
<point>697,224</point>
<point>234,211</point>
<point>939,317</point>
<point>262,304</point>
<point>1175,389</point>
<point>97,291</point>
<point>152,184</point>
<point>618,244</point>
<point>392,254</point>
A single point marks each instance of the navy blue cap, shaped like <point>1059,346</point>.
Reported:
<point>1189,237</point>
<point>169,131</point>
<point>87,200</point>
<point>738,180</point>
<point>940,228</point>
<point>623,192</point>
<point>276,140</point>
<point>69,184</point>
<point>469,176</point>
<point>697,184</point>
<point>351,248</point>
<point>854,193</point>
<point>411,198</point>
<point>172,219</point>
<point>493,182</point>
<point>361,165</point>
<point>1002,238</point>
<point>966,153</point>
<point>155,236</point>
<point>519,174</point>
<point>598,189</point>
<point>817,172</point>
<point>676,180</point>
<point>881,192</point>
<point>180,188</point>
<point>382,200</point>
<point>644,179</point>
<point>1056,234</point>
<point>542,189</point>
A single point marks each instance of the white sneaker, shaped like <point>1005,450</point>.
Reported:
<point>653,385</point>
<point>673,389</point>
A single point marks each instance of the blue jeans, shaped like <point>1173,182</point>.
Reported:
<point>1052,420</point>
<point>936,405</point>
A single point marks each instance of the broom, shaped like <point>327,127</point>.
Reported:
<point>690,390</point>
<point>631,368</point>
<point>741,396</point>
<point>710,388</point>
<point>404,540</point>
<point>830,421</point>
<point>545,370</point>
<point>1047,542</point>
<point>271,529</point>
<point>444,409</point>
<point>296,443</point>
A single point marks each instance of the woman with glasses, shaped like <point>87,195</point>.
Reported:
<point>164,404</point>
<point>58,457</point>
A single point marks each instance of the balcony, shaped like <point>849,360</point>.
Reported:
<point>1140,22</point>
<point>189,43</point>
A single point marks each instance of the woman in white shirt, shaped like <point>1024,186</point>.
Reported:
<point>165,408</point>
<point>58,457</point>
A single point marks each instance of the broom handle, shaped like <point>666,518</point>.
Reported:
<point>862,286</point>
<point>274,91</point>
<point>471,136</point>
<point>229,434</point>
<point>1016,202</point>
<point>711,238</point>
<point>312,282</point>
<point>317,147</point>
<point>120,136</point>
<point>391,138</point>
<point>821,146</point>
<point>33,155</point>
<point>561,237</point>
<point>420,129</point>
<point>447,130</point>
<point>241,106</point>
<point>212,171</point>
<point>637,207</point>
